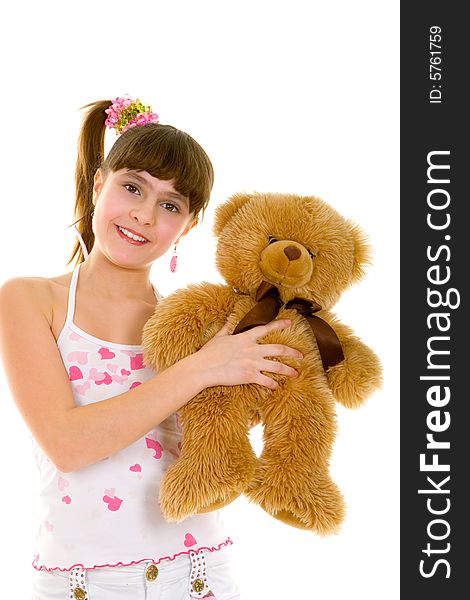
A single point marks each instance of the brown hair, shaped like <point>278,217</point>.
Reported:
<point>161,150</point>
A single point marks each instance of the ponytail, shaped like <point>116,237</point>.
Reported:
<point>90,158</point>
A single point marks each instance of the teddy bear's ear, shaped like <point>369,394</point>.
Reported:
<point>362,251</point>
<point>225,211</point>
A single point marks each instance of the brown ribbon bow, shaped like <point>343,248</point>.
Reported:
<point>268,305</point>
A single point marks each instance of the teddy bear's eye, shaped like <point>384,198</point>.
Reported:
<point>272,239</point>
<point>312,254</point>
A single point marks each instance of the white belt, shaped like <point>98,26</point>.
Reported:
<point>198,581</point>
<point>77,584</point>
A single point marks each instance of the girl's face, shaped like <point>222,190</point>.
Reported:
<point>143,205</point>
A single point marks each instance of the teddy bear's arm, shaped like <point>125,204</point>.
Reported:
<point>184,321</point>
<point>354,379</point>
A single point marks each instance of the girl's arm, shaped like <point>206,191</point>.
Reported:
<point>73,436</point>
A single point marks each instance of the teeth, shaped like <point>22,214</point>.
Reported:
<point>131,235</point>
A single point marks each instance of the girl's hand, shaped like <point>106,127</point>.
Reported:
<point>235,359</point>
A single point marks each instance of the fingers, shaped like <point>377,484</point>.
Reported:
<point>279,350</point>
<point>245,347</point>
<point>273,366</point>
<point>266,381</point>
<point>262,330</point>
<point>225,330</point>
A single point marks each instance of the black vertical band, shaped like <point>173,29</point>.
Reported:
<point>435,238</point>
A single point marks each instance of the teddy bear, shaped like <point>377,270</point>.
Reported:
<point>282,256</point>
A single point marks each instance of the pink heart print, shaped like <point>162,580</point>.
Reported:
<point>189,540</point>
<point>99,377</point>
<point>137,362</point>
<point>74,336</point>
<point>112,367</point>
<point>135,468</point>
<point>48,526</point>
<point>154,445</point>
<point>95,375</point>
<point>113,502</point>
<point>106,353</point>
<point>79,357</point>
<point>82,389</point>
<point>75,373</point>
<point>120,380</point>
<point>125,372</point>
<point>135,384</point>
<point>67,499</point>
<point>62,483</point>
<point>107,379</point>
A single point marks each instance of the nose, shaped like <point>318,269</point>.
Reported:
<point>144,214</point>
<point>292,252</point>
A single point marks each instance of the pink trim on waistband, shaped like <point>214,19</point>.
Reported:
<point>227,542</point>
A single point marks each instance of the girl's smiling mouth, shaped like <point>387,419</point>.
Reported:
<point>129,236</point>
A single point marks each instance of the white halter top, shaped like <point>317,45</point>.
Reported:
<point>107,514</point>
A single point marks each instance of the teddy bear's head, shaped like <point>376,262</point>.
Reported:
<point>298,243</point>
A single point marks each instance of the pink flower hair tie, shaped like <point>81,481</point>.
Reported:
<point>125,113</point>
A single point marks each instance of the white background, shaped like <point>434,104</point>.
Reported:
<point>300,97</point>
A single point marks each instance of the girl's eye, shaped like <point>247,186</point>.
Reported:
<point>128,185</point>
<point>172,205</point>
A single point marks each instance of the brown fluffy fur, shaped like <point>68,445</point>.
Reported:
<point>290,480</point>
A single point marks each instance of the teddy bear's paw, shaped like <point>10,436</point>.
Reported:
<point>221,502</point>
<point>317,506</point>
<point>182,491</point>
<point>236,476</point>
<point>175,511</point>
<point>354,379</point>
<point>188,488</point>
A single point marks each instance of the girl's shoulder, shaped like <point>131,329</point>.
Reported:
<point>42,292</point>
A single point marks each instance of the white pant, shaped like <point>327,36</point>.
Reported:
<point>195,576</point>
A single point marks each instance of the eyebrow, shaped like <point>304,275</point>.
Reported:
<point>147,184</point>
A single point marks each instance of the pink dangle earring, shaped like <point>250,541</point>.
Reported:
<point>174,260</point>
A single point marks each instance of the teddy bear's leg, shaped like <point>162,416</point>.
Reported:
<point>291,481</point>
<point>217,459</point>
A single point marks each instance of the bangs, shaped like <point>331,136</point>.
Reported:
<point>165,153</point>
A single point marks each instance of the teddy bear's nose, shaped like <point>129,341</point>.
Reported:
<point>292,252</point>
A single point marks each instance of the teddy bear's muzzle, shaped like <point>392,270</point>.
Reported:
<point>287,263</point>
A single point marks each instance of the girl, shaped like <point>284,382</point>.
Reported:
<point>105,426</point>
